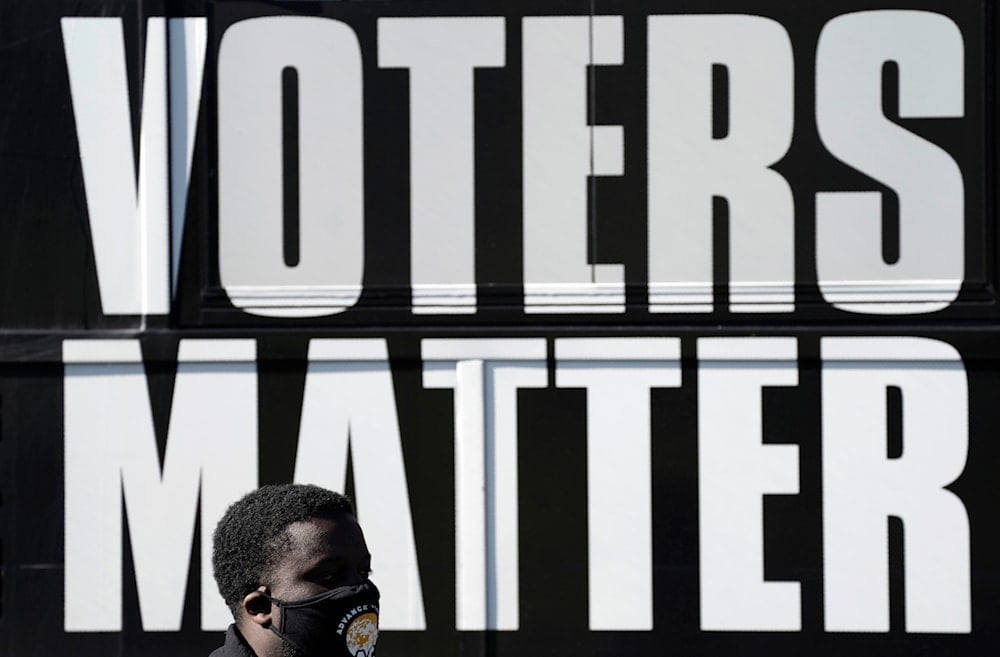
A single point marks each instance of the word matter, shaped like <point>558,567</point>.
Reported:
<point>349,406</point>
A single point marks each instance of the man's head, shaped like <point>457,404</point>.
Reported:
<point>283,544</point>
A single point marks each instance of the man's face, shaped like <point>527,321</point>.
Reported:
<point>324,553</point>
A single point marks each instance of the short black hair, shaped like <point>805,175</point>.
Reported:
<point>255,529</point>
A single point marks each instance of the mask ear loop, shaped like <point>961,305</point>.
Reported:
<point>277,603</point>
<point>278,629</point>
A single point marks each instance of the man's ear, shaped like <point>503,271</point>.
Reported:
<point>258,608</point>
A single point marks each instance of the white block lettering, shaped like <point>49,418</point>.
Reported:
<point>618,374</point>
<point>561,152</point>
<point>131,217</point>
<point>442,55</point>
<point>929,51</point>
<point>486,375</point>
<point>862,487</point>
<point>735,469</point>
<point>326,58</point>
<point>688,167</point>
<point>111,452</point>
<point>349,400</point>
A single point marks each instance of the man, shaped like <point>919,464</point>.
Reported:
<point>292,564</point>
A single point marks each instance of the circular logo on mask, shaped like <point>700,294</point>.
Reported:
<point>361,635</point>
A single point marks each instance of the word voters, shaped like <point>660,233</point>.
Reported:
<point>293,102</point>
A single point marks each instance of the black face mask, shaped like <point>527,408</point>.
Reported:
<point>342,622</point>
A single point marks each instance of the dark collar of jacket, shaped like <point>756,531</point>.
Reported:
<point>235,645</point>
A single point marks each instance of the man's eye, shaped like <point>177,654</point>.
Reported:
<point>329,578</point>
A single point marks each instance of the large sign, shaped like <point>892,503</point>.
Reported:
<point>630,327</point>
